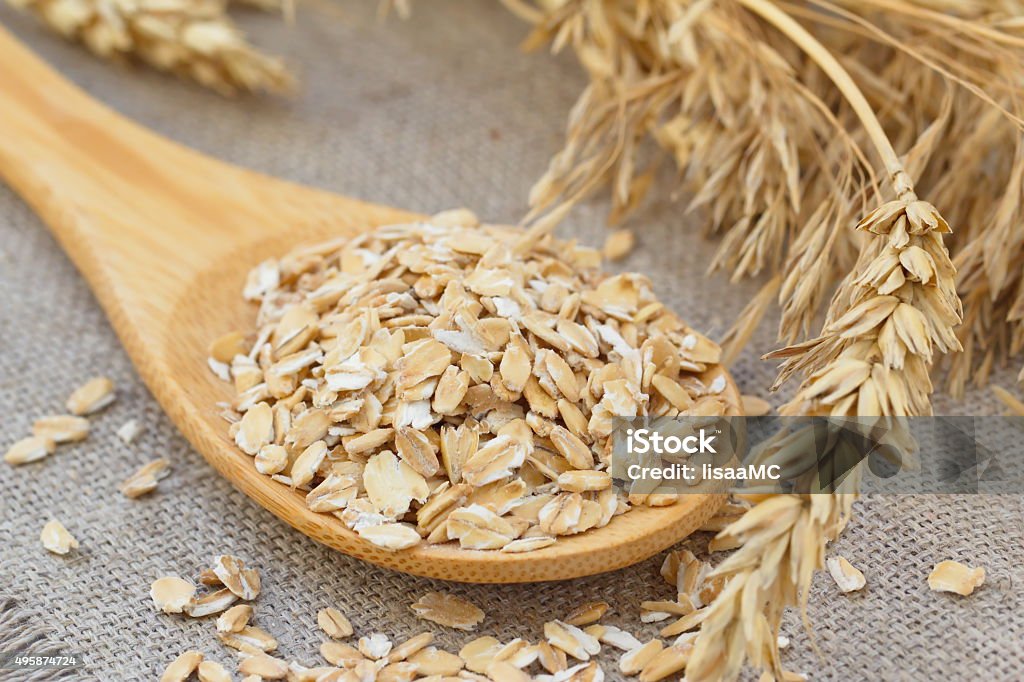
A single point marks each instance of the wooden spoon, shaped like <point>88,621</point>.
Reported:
<point>165,236</point>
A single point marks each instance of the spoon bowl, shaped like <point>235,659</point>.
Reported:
<point>165,237</point>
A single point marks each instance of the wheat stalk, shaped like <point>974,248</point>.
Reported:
<point>900,303</point>
<point>782,542</point>
<point>191,38</point>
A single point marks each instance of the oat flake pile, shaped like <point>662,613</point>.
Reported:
<point>452,381</point>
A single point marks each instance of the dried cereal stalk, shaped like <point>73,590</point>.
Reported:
<point>780,160</point>
<point>191,38</point>
<point>897,307</point>
<point>781,543</point>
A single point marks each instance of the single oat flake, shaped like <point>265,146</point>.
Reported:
<point>61,428</point>
<point>952,576</point>
<point>448,610</point>
<point>182,667</point>
<point>91,397</point>
<point>145,480</point>
<point>234,619</point>
<point>619,244</point>
<point>212,671</point>
<point>847,577</point>
<point>31,449</point>
<point>334,623</point>
<point>129,431</point>
<point>56,538</point>
<point>171,594</point>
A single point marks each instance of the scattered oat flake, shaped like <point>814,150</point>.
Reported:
<point>635,660</point>
<point>572,640</point>
<point>182,667</point>
<point>448,610</point>
<point>341,654</point>
<point>753,406</point>
<point>61,428</point>
<point>31,449</point>
<point>847,577</point>
<point>171,594</point>
<point>618,638</point>
<point>145,479</point>
<point>235,618</point>
<point>243,582</point>
<point>129,431</point>
<point>375,646</point>
<point>210,604</point>
<point>212,671</point>
<point>433,661</point>
<point>952,576</point>
<point>618,244</point>
<point>266,667</point>
<point>334,623</point>
<point>56,538</point>
<point>91,397</point>
<point>249,638</point>
<point>666,662</point>
<point>588,613</point>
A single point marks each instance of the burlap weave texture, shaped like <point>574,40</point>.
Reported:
<point>428,114</point>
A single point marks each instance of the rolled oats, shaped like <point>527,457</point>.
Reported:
<point>433,661</point>
<point>265,666</point>
<point>243,582</point>
<point>129,431</point>
<point>234,619</point>
<point>56,538</point>
<point>210,604</point>
<point>341,654</point>
<point>391,536</point>
<point>182,667</point>
<point>31,449</point>
<point>61,429</point>
<point>91,397</point>
<point>334,623</point>
<point>145,479</point>
<point>462,375</point>
<point>636,659</point>
<point>448,610</point>
<point>618,244</point>
<point>375,646</point>
<point>847,577</point>
<point>171,594</point>
<point>410,646</point>
<point>952,576</point>
<point>249,639</point>
<point>572,640</point>
<point>211,671</point>
<point>588,613</point>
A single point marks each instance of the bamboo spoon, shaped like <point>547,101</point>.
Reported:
<point>165,236</point>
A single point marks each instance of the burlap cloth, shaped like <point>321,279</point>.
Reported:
<point>436,112</point>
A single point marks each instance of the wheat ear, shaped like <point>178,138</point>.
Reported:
<point>191,38</point>
<point>899,304</point>
<point>872,358</point>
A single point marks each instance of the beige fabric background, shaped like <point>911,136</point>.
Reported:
<point>427,114</point>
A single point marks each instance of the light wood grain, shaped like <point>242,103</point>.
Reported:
<point>165,235</point>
